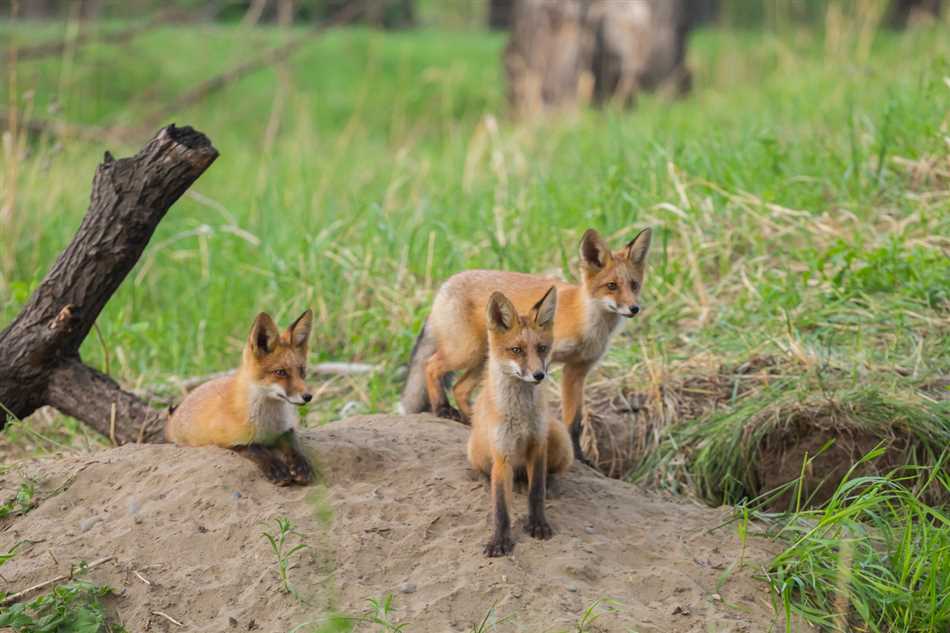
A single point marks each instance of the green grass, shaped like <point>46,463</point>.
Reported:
<point>798,196</point>
<point>874,558</point>
<point>71,607</point>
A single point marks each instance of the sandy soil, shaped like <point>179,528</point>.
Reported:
<point>397,510</point>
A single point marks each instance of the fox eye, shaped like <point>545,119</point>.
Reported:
<point>542,349</point>
<point>280,373</point>
<point>612,286</point>
<point>517,350</point>
<point>634,285</point>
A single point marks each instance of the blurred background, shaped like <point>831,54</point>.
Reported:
<point>792,157</point>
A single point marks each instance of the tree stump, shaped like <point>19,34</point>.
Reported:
<point>39,350</point>
<point>562,53</point>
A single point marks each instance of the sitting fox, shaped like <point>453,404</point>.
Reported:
<point>454,337</point>
<point>252,410</point>
<point>510,427</point>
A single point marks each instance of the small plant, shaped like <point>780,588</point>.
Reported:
<point>283,552</point>
<point>380,613</point>
<point>73,607</point>
<point>21,503</point>
<point>593,613</point>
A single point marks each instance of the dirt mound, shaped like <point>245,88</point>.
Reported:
<point>397,510</point>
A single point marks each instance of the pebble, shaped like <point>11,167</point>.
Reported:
<point>86,524</point>
<point>589,529</point>
<point>407,587</point>
<point>572,588</point>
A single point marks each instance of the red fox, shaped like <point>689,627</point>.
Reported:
<point>510,427</point>
<point>453,338</point>
<point>252,410</point>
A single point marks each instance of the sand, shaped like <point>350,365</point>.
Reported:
<point>396,510</point>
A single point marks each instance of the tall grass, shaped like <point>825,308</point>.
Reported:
<point>874,558</point>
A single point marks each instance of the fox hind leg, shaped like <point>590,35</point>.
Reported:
<point>436,369</point>
<point>463,389</point>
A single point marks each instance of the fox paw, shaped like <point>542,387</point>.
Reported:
<point>300,470</point>
<point>499,546</point>
<point>277,472</point>
<point>449,412</point>
<point>539,528</point>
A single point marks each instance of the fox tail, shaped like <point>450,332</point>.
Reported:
<point>415,396</point>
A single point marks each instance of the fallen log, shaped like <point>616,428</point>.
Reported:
<point>39,350</point>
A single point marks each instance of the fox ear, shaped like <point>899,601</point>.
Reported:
<point>264,335</point>
<point>299,330</point>
<point>501,313</point>
<point>543,311</point>
<point>639,246</point>
<point>594,250</point>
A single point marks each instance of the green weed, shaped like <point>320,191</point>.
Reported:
<point>284,551</point>
<point>72,607</point>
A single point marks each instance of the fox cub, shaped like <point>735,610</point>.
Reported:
<point>454,337</point>
<point>510,427</point>
<point>252,410</point>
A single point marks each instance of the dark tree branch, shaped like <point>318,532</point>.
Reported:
<point>39,350</point>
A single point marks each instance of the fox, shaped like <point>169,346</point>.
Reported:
<point>252,411</point>
<point>510,429</point>
<point>454,338</point>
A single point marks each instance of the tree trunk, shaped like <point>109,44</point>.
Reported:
<point>39,350</point>
<point>563,52</point>
<point>500,14</point>
<point>906,12</point>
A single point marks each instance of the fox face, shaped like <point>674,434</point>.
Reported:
<point>277,362</point>
<point>613,279</point>
<point>522,344</point>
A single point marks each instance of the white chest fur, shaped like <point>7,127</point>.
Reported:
<point>270,416</point>
<point>599,328</point>
<point>523,417</point>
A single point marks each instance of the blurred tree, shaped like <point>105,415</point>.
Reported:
<point>564,52</point>
<point>499,14</point>
<point>904,12</point>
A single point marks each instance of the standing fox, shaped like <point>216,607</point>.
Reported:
<point>252,410</point>
<point>454,336</point>
<point>510,427</point>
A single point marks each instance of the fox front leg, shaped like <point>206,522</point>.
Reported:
<point>500,543</point>
<point>572,404</point>
<point>268,461</point>
<point>537,525</point>
<point>297,463</point>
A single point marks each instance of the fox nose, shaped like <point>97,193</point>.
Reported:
<point>307,397</point>
<point>634,309</point>
<point>539,376</point>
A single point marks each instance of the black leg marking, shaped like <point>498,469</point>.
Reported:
<point>297,464</point>
<point>269,461</point>
<point>537,525</point>
<point>445,410</point>
<point>500,543</point>
<point>576,427</point>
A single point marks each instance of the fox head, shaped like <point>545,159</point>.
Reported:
<point>613,279</point>
<point>521,344</point>
<point>277,362</point>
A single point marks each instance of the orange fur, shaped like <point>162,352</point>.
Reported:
<point>256,403</point>
<point>587,316</point>
<point>510,427</point>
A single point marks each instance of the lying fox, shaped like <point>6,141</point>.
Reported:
<point>454,338</point>
<point>510,428</point>
<point>252,411</point>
